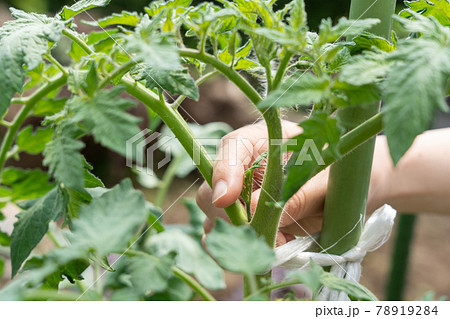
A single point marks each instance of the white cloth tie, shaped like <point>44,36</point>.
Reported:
<point>376,231</point>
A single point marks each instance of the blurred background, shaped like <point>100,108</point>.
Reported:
<point>220,101</point>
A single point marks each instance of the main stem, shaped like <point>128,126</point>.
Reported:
<point>349,178</point>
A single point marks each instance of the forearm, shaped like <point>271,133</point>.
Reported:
<point>421,181</point>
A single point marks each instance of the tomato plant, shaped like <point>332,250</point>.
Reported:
<point>342,72</point>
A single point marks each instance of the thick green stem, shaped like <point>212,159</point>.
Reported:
<point>349,178</point>
<point>18,121</point>
<point>266,218</point>
<point>267,215</point>
<point>186,137</point>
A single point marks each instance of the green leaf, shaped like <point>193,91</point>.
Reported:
<point>302,89</point>
<point>105,116</point>
<point>416,85</point>
<point>80,6</point>
<point>368,41</point>
<point>32,225</point>
<point>33,143</point>
<point>178,290</point>
<point>176,81</point>
<point>190,256</point>
<point>297,18</point>
<point>367,68</point>
<point>48,106</point>
<point>315,277</point>
<point>230,246</point>
<point>26,184</point>
<point>124,18</point>
<point>158,51</point>
<point>110,221</point>
<point>196,217</point>
<point>358,95</point>
<point>62,156</point>
<point>440,9</point>
<point>318,130</point>
<point>352,288</point>
<point>344,28</point>
<point>151,274</point>
<point>340,59</point>
<point>71,270</point>
<point>310,278</point>
<point>5,239</point>
<point>22,43</point>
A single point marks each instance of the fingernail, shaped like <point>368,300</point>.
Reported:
<point>220,190</point>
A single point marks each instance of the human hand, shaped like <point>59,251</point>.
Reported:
<point>303,212</point>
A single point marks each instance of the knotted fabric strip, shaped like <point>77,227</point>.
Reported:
<point>376,231</point>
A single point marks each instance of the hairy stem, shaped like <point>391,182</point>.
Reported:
<point>186,137</point>
<point>230,73</point>
<point>51,59</point>
<point>20,118</point>
<point>72,36</point>
<point>281,69</point>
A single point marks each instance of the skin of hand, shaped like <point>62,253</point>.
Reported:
<point>418,183</point>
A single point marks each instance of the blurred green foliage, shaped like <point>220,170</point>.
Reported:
<point>317,9</point>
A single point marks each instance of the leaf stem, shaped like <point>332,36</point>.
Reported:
<point>194,284</point>
<point>230,73</point>
<point>167,179</point>
<point>273,287</point>
<point>5,123</point>
<point>281,69</point>
<point>53,238</point>
<point>51,59</point>
<point>20,118</point>
<point>78,41</point>
<point>185,136</point>
<point>19,101</point>
<point>122,69</point>
<point>268,78</point>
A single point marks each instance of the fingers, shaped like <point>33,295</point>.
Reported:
<point>307,202</point>
<point>236,152</point>
<point>204,201</point>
